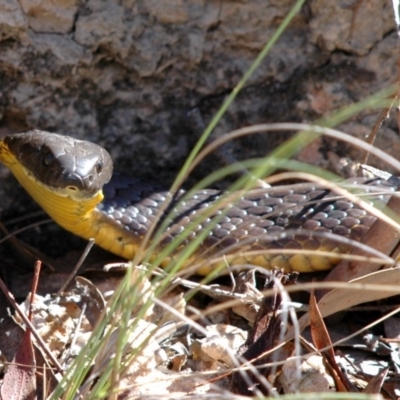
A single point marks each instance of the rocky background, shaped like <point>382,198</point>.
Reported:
<point>142,77</point>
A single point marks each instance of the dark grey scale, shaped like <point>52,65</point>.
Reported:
<point>134,226</point>
<point>328,208</point>
<point>257,231</point>
<point>330,223</point>
<point>343,205</point>
<point>117,214</point>
<point>259,210</point>
<point>241,233</point>
<point>252,220</point>
<point>158,197</point>
<point>265,223</point>
<point>228,241</point>
<point>281,208</point>
<point>141,219</point>
<point>337,214</point>
<point>236,212</point>
<point>271,201</point>
<point>245,224</point>
<point>220,232</point>
<point>211,241</point>
<point>246,204</point>
<point>311,224</point>
<point>281,191</point>
<point>275,229</point>
<point>149,203</point>
<point>295,198</point>
<point>341,230</point>
<point>126,220</point>
<point>320,216</point>
<point>132,209</point>
<point>236,221</point>
<point>322,229</point>
<point>356,213</point>
<point>144,211</point>
<point>349,222</point>
<point>176,229</point>
<point>133,212</point>
<point>228,226</point>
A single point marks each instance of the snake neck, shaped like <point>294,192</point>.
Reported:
<point>71,214</point>
<point>78,216</point>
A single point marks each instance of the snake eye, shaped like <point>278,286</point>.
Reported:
<point>48,158</point>
<point>99,167</point>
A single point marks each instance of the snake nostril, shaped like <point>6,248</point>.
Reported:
<point>91,178</point>
<point>99,167</point>
<point>72,188</point>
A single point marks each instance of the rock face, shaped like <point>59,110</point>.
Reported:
<point>142,76</point>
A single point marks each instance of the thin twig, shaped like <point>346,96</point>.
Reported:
<point>77,266</point>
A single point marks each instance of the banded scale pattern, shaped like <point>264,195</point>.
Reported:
<point>283,217</point>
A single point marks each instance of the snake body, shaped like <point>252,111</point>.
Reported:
<point>73,181</point>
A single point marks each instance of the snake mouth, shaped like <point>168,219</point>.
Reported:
<point>66,166</point>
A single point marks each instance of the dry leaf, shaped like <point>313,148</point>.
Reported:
<point>343,298</point>
<point>19,382</point>
<point>322,340</point>
<point>375,384</point>
<point>310,377</point>
<point>221,344</point>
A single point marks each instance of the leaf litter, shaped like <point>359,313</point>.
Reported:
<point>222,352</point>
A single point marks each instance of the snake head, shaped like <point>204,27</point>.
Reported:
<point>65,165</point>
